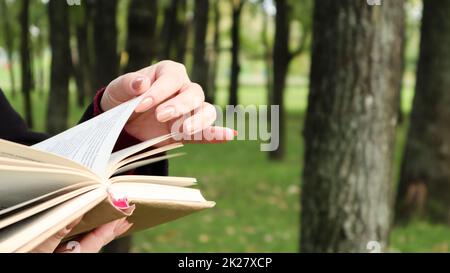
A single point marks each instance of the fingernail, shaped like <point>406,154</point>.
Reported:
<point>145,105</point>
<point>166,114</point>
<point>122,228</point>
<point>137,83</point>
<point>127,227</point>
<point>119,224</point>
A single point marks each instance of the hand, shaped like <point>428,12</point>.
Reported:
<point>90,243</point>
<point>169,94</point>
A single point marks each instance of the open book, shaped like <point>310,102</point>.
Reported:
<point>45,187</point>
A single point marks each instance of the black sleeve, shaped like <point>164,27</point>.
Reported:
<point>14,128</point>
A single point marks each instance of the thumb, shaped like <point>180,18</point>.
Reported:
<point>101,236</point>
<point>124,88</point>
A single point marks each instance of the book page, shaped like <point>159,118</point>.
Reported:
<point>155,205</point>
<point>16,151</point>
<point>47,203</point>
<point>5,161</point>
<point>139,156</point>
<point>141,163</point>
<point>161,180</point>
<point>26,235</point>
<point>122,154</point>
<point>91,143</point>
<point>45,197</point>
<point>152,192</point>
<point>19,184</point>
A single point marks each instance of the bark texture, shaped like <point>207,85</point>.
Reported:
<point>350,125</point>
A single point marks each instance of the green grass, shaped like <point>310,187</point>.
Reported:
<point>257,201</point>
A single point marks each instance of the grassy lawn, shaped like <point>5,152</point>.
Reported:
<point>257,200</point>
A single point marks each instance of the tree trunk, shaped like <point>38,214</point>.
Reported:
<point>214,54</point>
<point>57,110</point>
<point>200,63</point>
<point>174,32</point>
<point>267,57</point>
<point>141,44</point>
<point>81,58</point>
<point>25,62</point>
<point>76,71</point>
<point>8,40</point>
<point>105,41</point>
<point>40,66</point>
<point>281,60</point>
<point>350,125</point>
<point>182,28</point>
<point>84,65</point>
<point>425,177</point>
<point>168,31</point>
<point>235,48</point>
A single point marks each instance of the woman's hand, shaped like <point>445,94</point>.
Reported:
<point>91,242</point>
<point>169,95</point>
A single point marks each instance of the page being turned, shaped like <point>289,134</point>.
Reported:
<point>91,143</point>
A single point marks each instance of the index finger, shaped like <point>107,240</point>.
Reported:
<point>169,78</point>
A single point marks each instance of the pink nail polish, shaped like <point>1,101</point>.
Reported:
<point>166,114</point>
<point>121,203</point>
<point>145,105</point>
<point>137,83</point>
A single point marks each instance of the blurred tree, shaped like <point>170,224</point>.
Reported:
<point>214,54</point>
<point>282,57</point>
<point>173,34</point>
<point>200,62</point>
<point>141,43</point>
<point>425,177</point>
<point>58,99</point>
<point>82,67</point>
<point>350,125</point>
<point>39,38</point>
<point>25,61</point>
<point>8,41</point>
<point>183,27</point>
<point>267,45</point>
<point>237,6</point>
<point>105,41</point>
